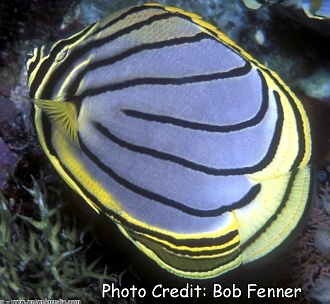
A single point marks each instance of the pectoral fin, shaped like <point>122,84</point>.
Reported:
<point>63,116</point>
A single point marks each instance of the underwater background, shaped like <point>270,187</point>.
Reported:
<point>50,248</point>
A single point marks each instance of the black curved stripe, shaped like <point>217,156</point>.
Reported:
<point>276,137</point>
<point>32,65</point>
<point>73,86</point>
<point>191,243</point>
<point>301,135</point>
<point>151,46</point>
<point>42,71</point>
<point>299,127</point>
<point>193,253</point>
<point>166,156</point>
<point>278,211</point>
<point>252,193</point>
<point>206,252</point>
<point>299,123</point>
<point>208,127</point>
<point>235,72</point>
<point>47,133</point>
<point>157,154</point>
<point>79,51</point>
<point>198,167</point>
<point>45,66</point>
<point>131,11</point>
<point>202,262</point>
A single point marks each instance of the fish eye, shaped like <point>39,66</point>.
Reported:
<point>61,55</point>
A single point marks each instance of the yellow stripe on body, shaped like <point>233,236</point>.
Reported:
<point>53,67</point>
<point>289,216</point>
<point>288,147</point>
<point>272,178</point>
<point>97,190</point>
<point>76,167</point>
<point>81,66</point>
<point>200,250</point>
<point>67,150</point>
<point>188,261</point>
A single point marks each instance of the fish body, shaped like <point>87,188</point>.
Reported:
<point>317,9</point>
<point>314,14</point>
<point>198,153</point>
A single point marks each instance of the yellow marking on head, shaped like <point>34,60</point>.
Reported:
<point>39,63</point>
<point>55,64</point>
<point>76,70</point>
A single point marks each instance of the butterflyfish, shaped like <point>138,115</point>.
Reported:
<point>198,153</point>
<point>313,8</point>
<point>314,14</point>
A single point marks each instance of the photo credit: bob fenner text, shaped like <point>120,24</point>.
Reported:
<point>197,291</point>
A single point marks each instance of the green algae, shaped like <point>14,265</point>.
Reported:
<point>45,256</point>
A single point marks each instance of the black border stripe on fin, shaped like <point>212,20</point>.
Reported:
<point>235,72</point>
<point>208,127</point>
<point>249,196</point>
<point>73,86</point>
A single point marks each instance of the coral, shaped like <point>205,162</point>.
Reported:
<point>45,256</point>
<point>310,259</point>
<point>7,159</point>
<point>321,290</point>
<point>325,197</point>
<point>322,240</point>
<point>317,84</point>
